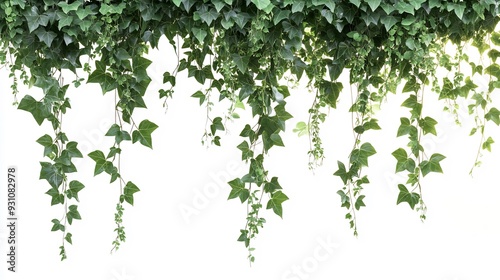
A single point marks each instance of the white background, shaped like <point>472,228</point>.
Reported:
<point>459,240</point>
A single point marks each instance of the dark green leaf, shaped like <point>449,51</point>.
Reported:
<point>405,196</point>
<point>73,214</point>
<point>238,190</point>
<point>275,202</point>
<point>432,165</point>
<point>68,238</point>
<point>359,202</point>
<point>342,173</point>
<point>360,156</point>
<point>271,187</point>
<point>72,150</point>
<point>39,110</point>
<point>74,188</point>
<point>45,141</point>
<point>100,161</point>
<point>143,133</point>
<point>129,191</point>
<point>50,173</point>
<point>57,225</point>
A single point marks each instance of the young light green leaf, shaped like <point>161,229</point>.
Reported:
<point>487,144</point>
<point>493,115</point>
<point>301,129</point>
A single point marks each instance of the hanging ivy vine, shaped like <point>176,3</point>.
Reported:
<point>246,51</point>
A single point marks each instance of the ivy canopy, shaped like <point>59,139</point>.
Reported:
<point>243,51</point>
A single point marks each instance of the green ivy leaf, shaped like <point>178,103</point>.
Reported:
<point>301,129</point>
<point>140,64</point>
<point>261,4</point>
<point>331,90</point>
<point>72,150</point>
<point>374,4</point>
<point>69,7</point>
<point>34,19</point>
<point>57,225</point>
<point>493,70</point>
<point>487,144</point>
<point>113,151</point>
<point>342,173</point>
<point>143,133</point>
<point>100,76</point>
<point>51,173</point>
<point>129,191</point>
<point>64,21</point>
<point>45,141</point>
<point>208,16</point>
<point>246,152</point>
<point>275,202</point>
<point>199,95</point>
<point>359,202</point>
<point>432,165</point>
<point>493,115</point>
<point>241,62</point>
<point>100,161</point>
<point>276,138</point>
<point>112,9</point>
<point>428,125</point>
<point>216,125</point>
<point>57,197</point>
<point>271,187</point>
<point>199,34</point>
<point>74,188</point>
<point>39,110</point>
<point>68,238</point>
<point>405,196</point>
<point>45,36</point>
<point>73,214</point>
<point>360,156</point>
<point>403,162</point>
<point>238,190</point>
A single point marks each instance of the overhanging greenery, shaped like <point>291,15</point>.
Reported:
<point>242,51</point>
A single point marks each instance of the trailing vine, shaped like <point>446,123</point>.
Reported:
<point>247,52</point>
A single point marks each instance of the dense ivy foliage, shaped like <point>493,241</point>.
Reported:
<point>247,51</point>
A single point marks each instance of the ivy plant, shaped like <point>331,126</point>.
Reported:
<point>248,52</point>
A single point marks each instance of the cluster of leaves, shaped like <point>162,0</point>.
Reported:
<point>243,51</point>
